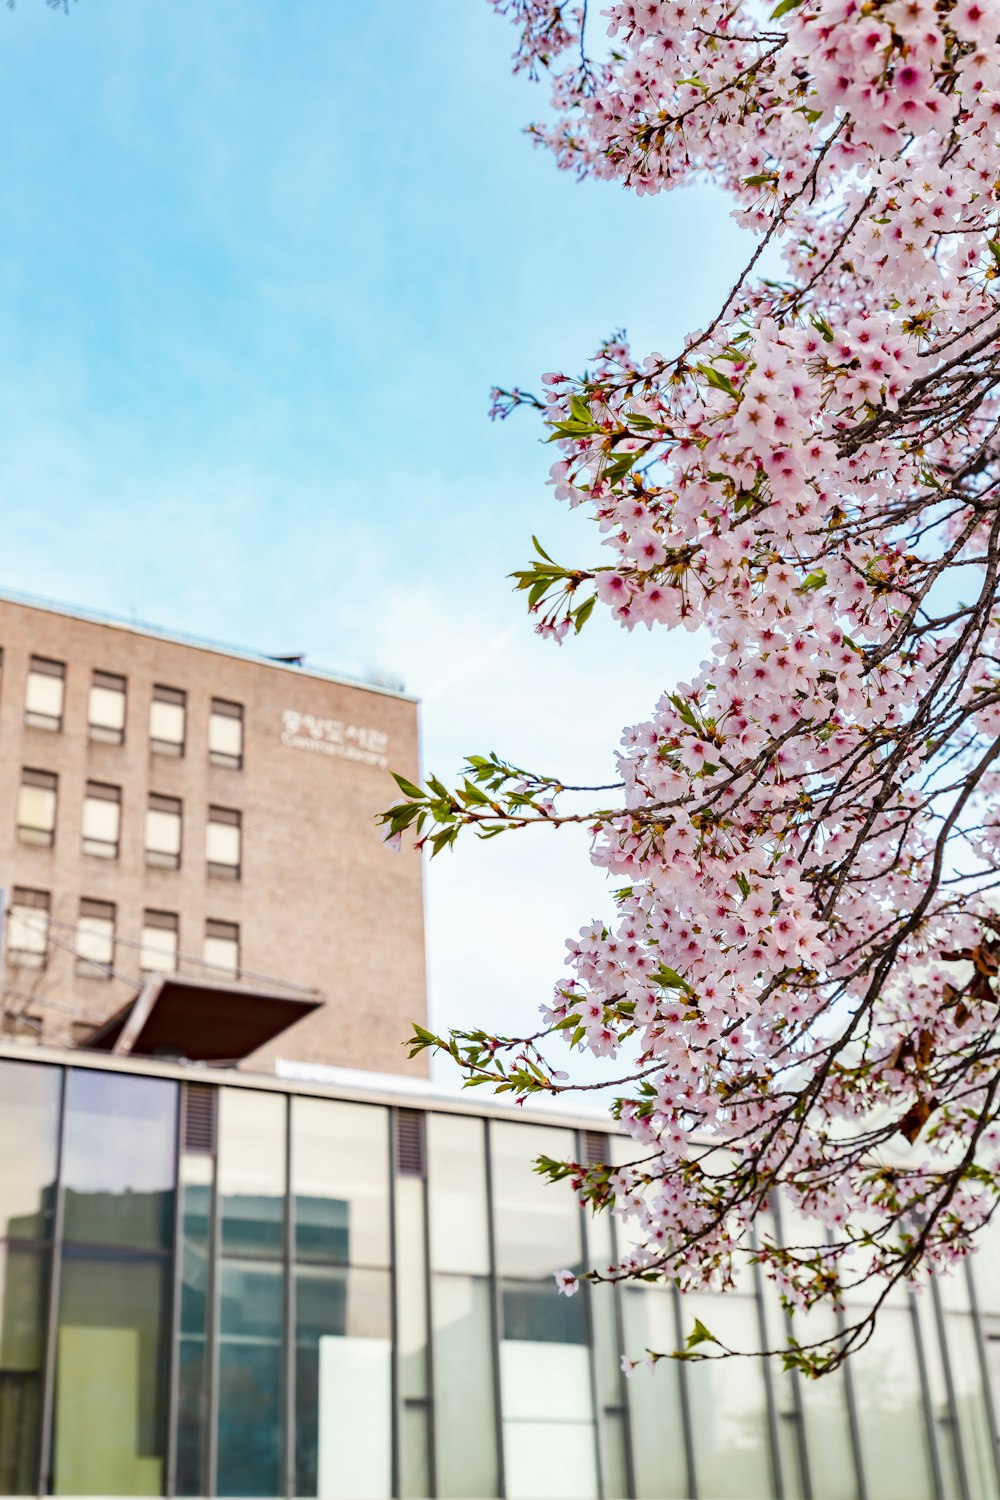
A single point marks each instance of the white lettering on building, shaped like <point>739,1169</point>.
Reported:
<point>332,737</point>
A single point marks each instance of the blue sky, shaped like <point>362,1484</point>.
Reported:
<point>260,263</point>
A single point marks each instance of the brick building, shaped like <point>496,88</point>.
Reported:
<point>172,806</point>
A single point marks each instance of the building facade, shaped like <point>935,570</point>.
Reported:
<point>171,806</point>
<point>214,1284</point>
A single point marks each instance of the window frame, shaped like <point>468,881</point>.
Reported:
<point>51,669</point>
<point>107,682</point>
<point>223,936</point>
<point>226,708</point>
<point>156,921</point>
<point>28,958</point>
<point>164,859</point>
<point>101,791</point>
<point>88,967</point>
<point>170,697</point>
<point>47,781</point>
<point>224,817</point>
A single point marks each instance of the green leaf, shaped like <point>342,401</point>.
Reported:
<point>406,787</point>
<point>541,550</point>
<point>759,178</point>
<point>815,580</point>
<point>720,381</point>
<point>783,8</point>
<point>700,1335</point>
<point>581,410</point>
<point>584,613</point>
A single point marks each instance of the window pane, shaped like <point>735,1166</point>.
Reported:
<point>163,831</point>
<point>728,1402</point>
<point>159,948</point>
<point>24,1286</point>
<point>538,1225</point>
<point>411,1289</point>
<point>192,1394</point>
<point>222,843</point>
<point>456,1186</point>
<point>44,695</point>
<point>111,1376</point>
<point>36,813</point>
<point>118,1165</point>
<point>654,1396</point>
<point>250,1377</point>
<point>28,928</point>
<point>340,1178</point>
<point>101,822</point>
<point>463,1387</point>
<point>222,954</point>
<point>95,945</point>
<point>252,1171</point>
<point>894,1441</point>
<point>225,733</point>
<point>343,1382</point>
<point>29,1117</point>
<point>106,709</point>
<point>166,722</point>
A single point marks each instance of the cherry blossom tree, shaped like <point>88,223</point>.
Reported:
<point>798,989</point>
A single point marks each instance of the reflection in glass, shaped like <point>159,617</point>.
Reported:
<point>343,1431</point>
<point>251,1318</point>
<point>193,1321</point>
<point>970,1407</point>
<point>894,1440</point>
<point>537,1311</point>
<point>729,1403</point>
<point>466,1458</point>
<point>456,1188</point>
<point>111,1376</point>
<point>340,1179</point>
<point>654,1396</point>
<point>118,1167</point>
<point>252,1172</point>
<point>537,1224</point>
<point>23,1295</point>
<point>29,1116</point>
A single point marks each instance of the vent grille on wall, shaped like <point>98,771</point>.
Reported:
<point>200,1101</point>
<point>595,1147</point>
<point>411,1153</point>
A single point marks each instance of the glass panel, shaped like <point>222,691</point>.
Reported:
<point>36,808</point>
<point>538,1312</point>
<point>44,695</point>
<point>607,1371</point>
<point>225,735</point>
<point>343,1382</point>
<point>252,1171</point>
<point>27,934</point>
<point>654,1396</point>
<point>24,1286</point>
<point>970,1405</point>
<point>163,831</point>
<point>466,1458</point>
<point>340,1178</point>
<point>411,1288</point>
<point>894,1440</point>
<point>29,1117</point>
<point>728,1403</point>
<point>192,1393</point>
<point>158,950</point>
<point>107,708</point>
<point>111,1377</point>
<point>415,1456</point>
<point>222,954</point>
<point>166,722</point>
<point>537,1225</point>
<point>456,1187</point>
<point>251,1319</point>
<point>118,1167</point>
<point>95,942</point>
<point>222,843</point>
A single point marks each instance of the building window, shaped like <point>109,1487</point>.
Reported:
<point>163,832</point>
<point>159,942</point>
<point>28,928</point>
<point>225,734</point>
<point>167,714</point>
<point>222,948</point>
<point>43,699</point>
<point>223,837</point>
<point>102,816</point>
<point>106,713</point>
<point>36,807</point>
<point>95,939</point>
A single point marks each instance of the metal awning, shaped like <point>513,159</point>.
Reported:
<point>200,1020</point>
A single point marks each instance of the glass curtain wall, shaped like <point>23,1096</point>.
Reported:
<point>345,1331</point>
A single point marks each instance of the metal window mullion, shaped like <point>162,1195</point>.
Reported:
<point>45,1454</point>
<point>394,1384</point>
<point>174,1318</point>
<point>984,1371</point>
<point>589,1324</point>
<point>925,1395</point>
<point>496,1312</point>
<point>941,1328</point>
<point>289,1313</point>
<point>431,1407</point>
<point>685,1394</point>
